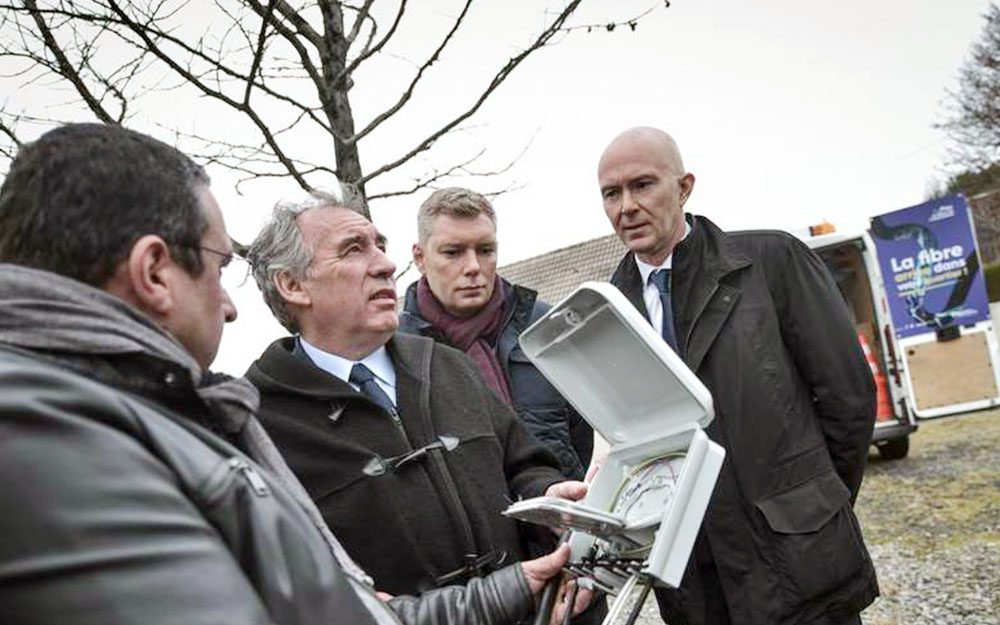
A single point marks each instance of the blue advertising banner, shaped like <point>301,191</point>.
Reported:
<point>928,258</point>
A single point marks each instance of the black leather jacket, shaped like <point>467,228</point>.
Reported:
<point>119,504</point>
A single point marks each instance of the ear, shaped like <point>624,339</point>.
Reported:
<point>147,278</point>
<point>418,257</point>
<point>687,186</point>
<point>291,289</point>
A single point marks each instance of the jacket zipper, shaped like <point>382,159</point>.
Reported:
<point>256,482</point>
<point>400,430</point>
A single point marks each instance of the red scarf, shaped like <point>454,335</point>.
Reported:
<point>475,335</point>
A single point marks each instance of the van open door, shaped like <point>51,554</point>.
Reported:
<point>855,269</point>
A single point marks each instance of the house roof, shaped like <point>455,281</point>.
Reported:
<point>556,274</point>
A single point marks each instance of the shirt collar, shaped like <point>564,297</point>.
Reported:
<point>645,268</point>
<point>378,362</point>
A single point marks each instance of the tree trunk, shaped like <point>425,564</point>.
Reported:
<point>338,106</point>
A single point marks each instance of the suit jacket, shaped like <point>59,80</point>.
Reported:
<point>412,519</point>
<point>760,321</point>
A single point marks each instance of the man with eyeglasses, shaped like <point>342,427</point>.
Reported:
<point>136,487</point>
<point>407,452</point>
<point>758,318</point>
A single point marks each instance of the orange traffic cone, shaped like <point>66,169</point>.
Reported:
<point>884,412</point>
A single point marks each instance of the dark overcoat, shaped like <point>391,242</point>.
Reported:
<point>418,522</point>
<point>760,321</point>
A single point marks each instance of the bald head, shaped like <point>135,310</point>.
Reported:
<point>644,188</point>
<point>646,139</point>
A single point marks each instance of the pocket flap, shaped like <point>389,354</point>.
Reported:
<point>806,507</point>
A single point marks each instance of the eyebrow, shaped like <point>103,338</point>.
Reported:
<point>359,239</point>
<point>349,241</point>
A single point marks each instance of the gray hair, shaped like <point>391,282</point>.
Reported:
<point>454,202</point>
<point>279,247</point>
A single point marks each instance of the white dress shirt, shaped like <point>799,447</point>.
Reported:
<point>378,362</point>
<point>651,294</point>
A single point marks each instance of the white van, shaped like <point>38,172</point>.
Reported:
<point>929,375</point>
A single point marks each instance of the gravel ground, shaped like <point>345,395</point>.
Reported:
<point>932,524</point>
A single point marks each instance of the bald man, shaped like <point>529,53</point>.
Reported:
<point>757,316</point>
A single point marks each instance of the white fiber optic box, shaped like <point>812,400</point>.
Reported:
<point>646,503</point>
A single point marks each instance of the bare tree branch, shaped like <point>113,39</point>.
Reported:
<point>299,23</point>
<point>364,13</point>
<point>259,54</point>
<point>7,130</point>
<point>428,181</point>
<point>632,23</point>
<point>974,108</point>
<point>498,80</point>
<point>217,63</point>
<point>283,68</point>
<point>218,95</point>
<point>64,67</point>
<point>408,92</point>
<point>369,51</point>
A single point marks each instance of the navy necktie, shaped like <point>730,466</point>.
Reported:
<point>363,377</point>
<point>661,278</point>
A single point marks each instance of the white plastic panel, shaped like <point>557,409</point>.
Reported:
<point>607,360</point>
<point>600,353</point>
<point>682,518</point>
<point>683,514</point>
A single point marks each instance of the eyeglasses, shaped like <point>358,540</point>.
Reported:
<point>233,270</point>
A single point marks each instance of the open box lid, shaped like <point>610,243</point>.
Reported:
<point>609,362</point>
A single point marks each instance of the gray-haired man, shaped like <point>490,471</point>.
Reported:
<point>408,454</point>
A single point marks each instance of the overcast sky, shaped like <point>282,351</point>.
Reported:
<point>787,112</point>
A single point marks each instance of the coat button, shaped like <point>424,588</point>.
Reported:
<point>170,379</point>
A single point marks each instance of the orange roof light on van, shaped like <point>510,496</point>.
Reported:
<point>824,228</point>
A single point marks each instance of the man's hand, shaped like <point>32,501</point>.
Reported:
<point>541,570</point>
<point>570,489</point>
<point>595,465</point>
<point>592,472</point>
